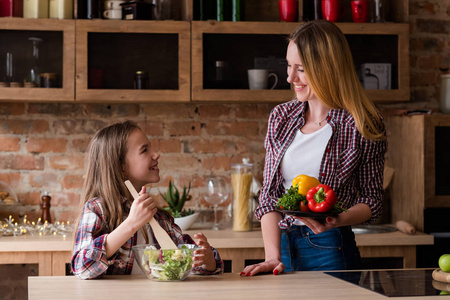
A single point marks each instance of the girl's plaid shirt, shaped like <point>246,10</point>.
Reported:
<point>89,256</point>
<point>351,165</point>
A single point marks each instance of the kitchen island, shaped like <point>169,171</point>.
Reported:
<point>301,285</point>
<point>52,253</point>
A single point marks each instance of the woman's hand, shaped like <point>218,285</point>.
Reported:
<point>319,227</point>
<point>142,209</point>
<point>204,257</point>
<point>274,266</point>
<point>355,215</point>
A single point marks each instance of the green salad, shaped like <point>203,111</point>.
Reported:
<point>166,265</point>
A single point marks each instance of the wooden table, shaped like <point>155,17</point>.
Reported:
<point>294,285</point>
<point>53,252</point>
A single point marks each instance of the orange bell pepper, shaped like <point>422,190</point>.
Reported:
<point>304,183</point>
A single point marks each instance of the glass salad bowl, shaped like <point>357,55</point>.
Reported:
<point>165,265</point>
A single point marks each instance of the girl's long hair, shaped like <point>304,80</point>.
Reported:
<point>104,178</point>
<point>329,68</point>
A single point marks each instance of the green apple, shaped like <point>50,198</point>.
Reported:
<point>444,262</point>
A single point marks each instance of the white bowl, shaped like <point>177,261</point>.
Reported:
<point>186,222</point>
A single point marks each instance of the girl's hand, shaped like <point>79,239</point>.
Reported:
<point>204,256</point>
<point>319,227</point>
<point>142,209</point>
<point>274,266</point>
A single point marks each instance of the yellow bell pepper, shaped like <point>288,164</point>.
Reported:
<point>304,183</point>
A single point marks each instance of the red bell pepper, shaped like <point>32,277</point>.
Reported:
<point>321,198</point>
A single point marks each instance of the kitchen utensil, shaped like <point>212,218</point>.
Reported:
<point>161,235</point>
<point>216,192</point>
<point>405,227</point>
<point>258,79</point>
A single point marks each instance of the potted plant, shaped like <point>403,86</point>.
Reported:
<point>175,201</point>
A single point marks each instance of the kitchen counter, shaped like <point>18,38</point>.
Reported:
<point>241,246</point>
<point>51,253</point>
<point>305,285</point>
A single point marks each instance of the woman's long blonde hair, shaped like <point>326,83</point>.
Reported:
<point>329,68</point>
<point>104,178</point>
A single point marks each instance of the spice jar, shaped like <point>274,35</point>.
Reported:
<point>48,80</point>
<point>141,80</point>
<point>241,180</point>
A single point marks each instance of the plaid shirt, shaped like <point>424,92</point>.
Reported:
<point>89,256</point>
<point>351,165</point>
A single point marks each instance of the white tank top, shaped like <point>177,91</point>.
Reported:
<point>304,155</point>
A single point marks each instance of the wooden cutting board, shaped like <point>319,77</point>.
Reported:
<point>441,276</point>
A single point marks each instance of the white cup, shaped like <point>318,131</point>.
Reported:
<point>112,4</point>
<point>113,14</point>
<point>257,79</point>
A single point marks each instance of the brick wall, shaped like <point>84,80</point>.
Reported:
<point>429,51</point>
<point>42,146</point>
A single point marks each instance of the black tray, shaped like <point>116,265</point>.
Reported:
<point>308,214</point>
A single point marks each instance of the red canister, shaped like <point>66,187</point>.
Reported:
<point>11,8</point>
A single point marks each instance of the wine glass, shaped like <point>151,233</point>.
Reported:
<point>215,193</point>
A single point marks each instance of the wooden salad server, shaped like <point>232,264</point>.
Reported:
<point>161,235</point>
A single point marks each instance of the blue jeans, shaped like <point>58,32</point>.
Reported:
<point>335,249</point>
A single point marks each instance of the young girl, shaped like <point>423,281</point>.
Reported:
<point>111,222</point>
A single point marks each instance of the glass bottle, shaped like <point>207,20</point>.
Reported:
<point>34,72</point>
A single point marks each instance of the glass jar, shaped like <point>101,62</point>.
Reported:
<point>241,180</point>
<point>61,9</point>
<point>34,70</point>
<point>35,9</point>
<point>141,80</point>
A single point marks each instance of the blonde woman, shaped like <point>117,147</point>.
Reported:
<point>111,222</point>
<point>331,131</point>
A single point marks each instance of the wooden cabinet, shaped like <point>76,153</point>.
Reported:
<point>180,56</point>
<point>240,43</point>
<point>117,49</point>
<point>419,151</point>
<point>56,55</point>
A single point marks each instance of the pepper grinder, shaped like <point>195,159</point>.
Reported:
<point>45,204</point>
